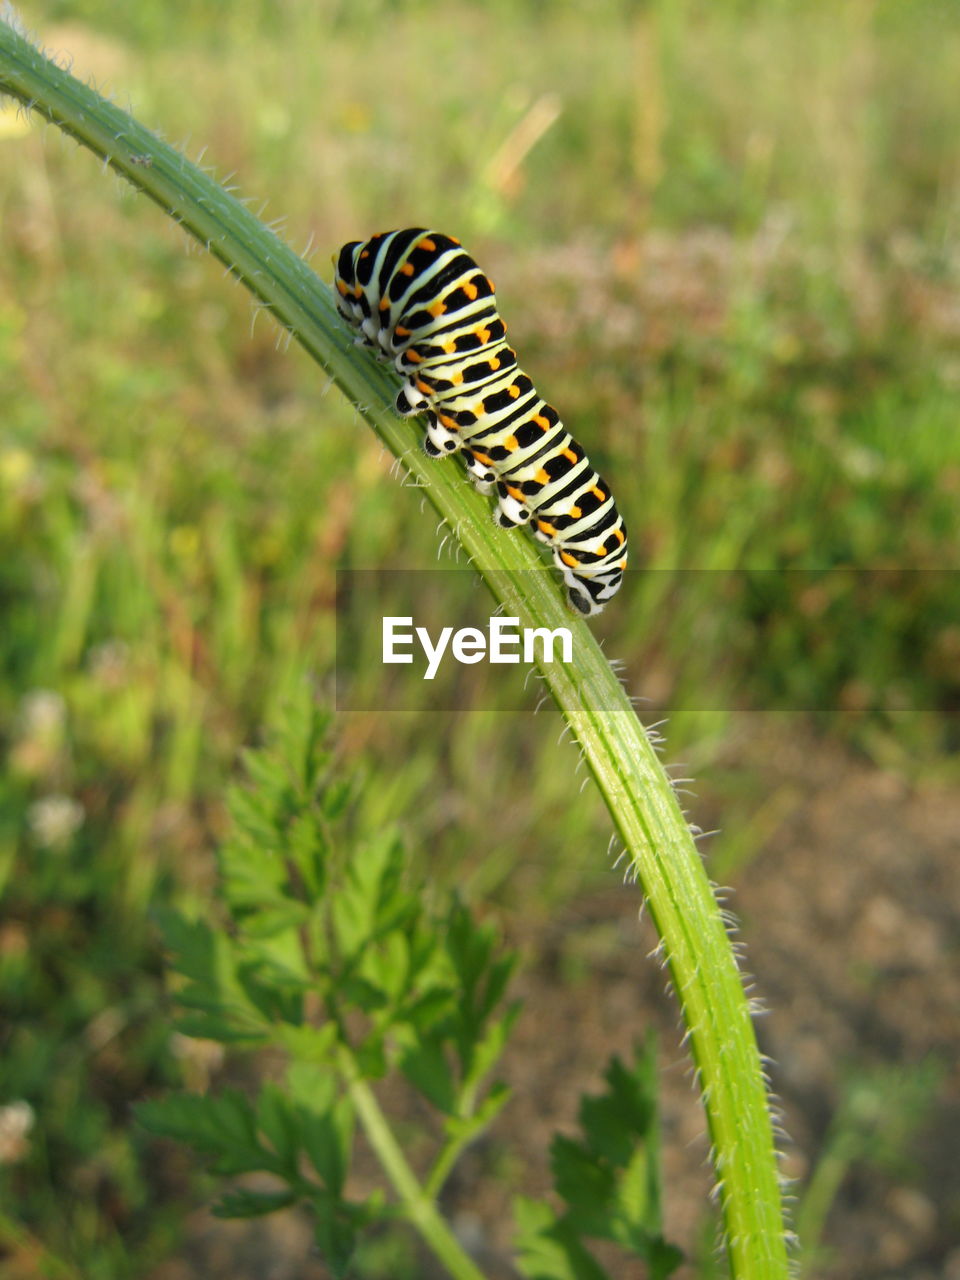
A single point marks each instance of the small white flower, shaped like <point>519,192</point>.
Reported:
<point>16,1121</point>
<point>54,819</point>
<point>43,713</point>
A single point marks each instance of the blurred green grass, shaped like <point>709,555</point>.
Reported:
<point>725,239</point>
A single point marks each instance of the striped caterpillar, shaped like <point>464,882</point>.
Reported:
<point>420,300</point>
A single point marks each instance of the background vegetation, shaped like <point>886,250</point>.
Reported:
<point>725,237</point>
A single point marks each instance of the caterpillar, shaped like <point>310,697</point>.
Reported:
<point>419,299</point>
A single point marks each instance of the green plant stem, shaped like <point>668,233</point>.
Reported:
<point>419,1207</point>
<point>444,1163</point>
<point>820,1193</point>
<point>634,785</point>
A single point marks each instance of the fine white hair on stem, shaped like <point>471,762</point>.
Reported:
<point>531,671</point>
<point>705,835</point>
<point>11,16</point>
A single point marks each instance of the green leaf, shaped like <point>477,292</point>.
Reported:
<point>587,1184</point>
<point>308,1045</point>
<point>303,732</point>
<point>663,1259</point>
<point>483,1053</point>
<point>229,1027</point>
<point>336,798</point>
<point>326,1121</point>
<point>372,901</point>
<point>197,950</point>
<point>548,1250</point>
<point>222,1128</point>
<point>481,983</point>
<point>278,958</point>
<point>241,1203</point>
<point>370,1056</point>
<point>463,1128</point>
<point>328,1141</point>
<point>637,1217</point>
<point>357,991</point>
<point>269,920</point>
<point>609,1179</point>
<point>279,1123</point>
<point>271,779</point>
<point>351,914</point>
<point>469,944</point>
<point>336,1232</point>
<point>621,1150</point>
<point>613,1120</point>
<point>313,1086</point>
<point>273,991</point>
<point>222,1008</point>
<point>273,818</point>
<point>251,862</point>
<point>424,1012</point>
<point>309,851</point>
<point>387,967</point>
<point>254,822</point>
<point>427,1069</point>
